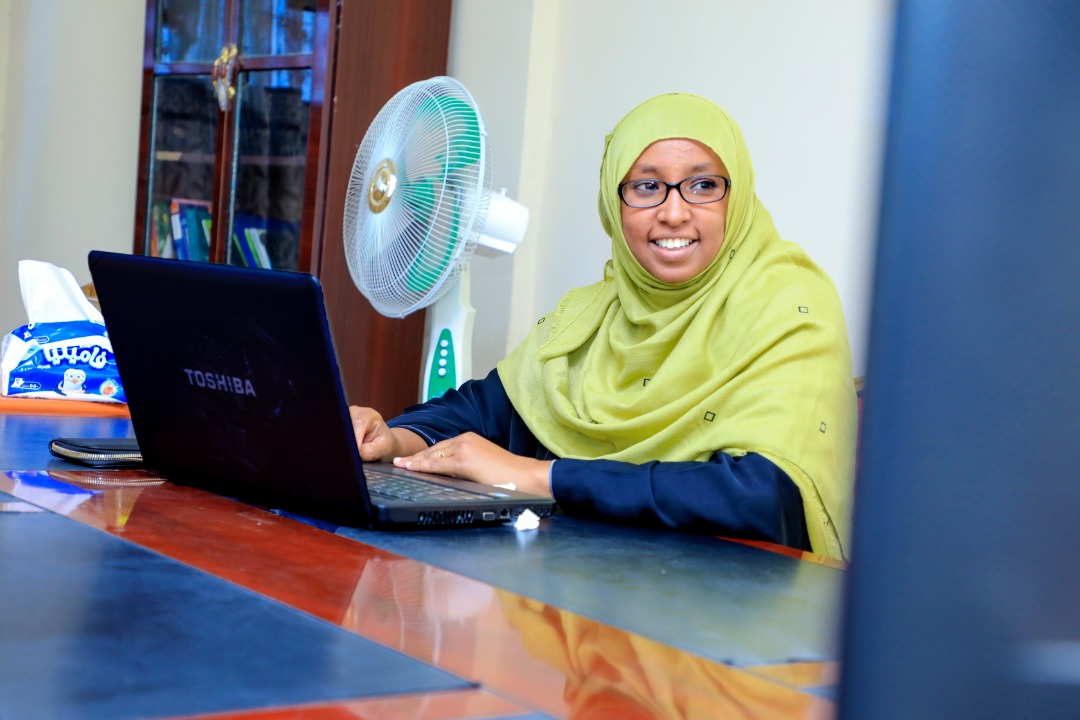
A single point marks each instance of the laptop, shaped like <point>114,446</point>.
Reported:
<point>233,386</point>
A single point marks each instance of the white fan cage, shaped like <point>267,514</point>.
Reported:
<point>406,255</point>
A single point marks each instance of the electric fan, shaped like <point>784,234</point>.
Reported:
<point>419,203</point>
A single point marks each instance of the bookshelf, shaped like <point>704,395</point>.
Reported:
<point>252,113</point>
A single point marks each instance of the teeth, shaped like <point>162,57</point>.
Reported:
<point>673,243</point>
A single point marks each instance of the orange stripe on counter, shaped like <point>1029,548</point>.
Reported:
<point>80,408</point>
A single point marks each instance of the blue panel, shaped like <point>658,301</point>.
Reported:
<point>964,587</point>
<point>94,627</point>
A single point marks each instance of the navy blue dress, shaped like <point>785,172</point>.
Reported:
<point>744,497</point>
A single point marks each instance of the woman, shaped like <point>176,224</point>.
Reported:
<point>704,384</point>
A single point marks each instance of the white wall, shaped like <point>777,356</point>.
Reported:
<point>805,81</point>
<point>6,10</point>
<point>489,53</point>
<point>70,89</point>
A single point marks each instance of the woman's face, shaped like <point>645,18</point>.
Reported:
<point>675,240</point>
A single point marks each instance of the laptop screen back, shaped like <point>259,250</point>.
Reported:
<point>232,381</point>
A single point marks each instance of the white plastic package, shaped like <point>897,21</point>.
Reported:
<point>63,352</point>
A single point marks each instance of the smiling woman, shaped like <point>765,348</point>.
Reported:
<point>704,384</point>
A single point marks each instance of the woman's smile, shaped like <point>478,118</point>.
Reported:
<point>674,243</point>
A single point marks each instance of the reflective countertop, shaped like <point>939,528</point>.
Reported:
<point>575,619</point>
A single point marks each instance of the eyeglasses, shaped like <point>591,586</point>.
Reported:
<point>699,190</point>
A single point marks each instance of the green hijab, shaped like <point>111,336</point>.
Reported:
<point>749,356</point>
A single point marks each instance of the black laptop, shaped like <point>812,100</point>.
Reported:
<point>233,386</point>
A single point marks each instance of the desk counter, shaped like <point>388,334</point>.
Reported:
<point>127,596</point>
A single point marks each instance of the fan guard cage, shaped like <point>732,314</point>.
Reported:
<point>418,196</point>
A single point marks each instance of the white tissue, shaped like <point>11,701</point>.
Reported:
<point>528,520</point>
<point>51,294</point>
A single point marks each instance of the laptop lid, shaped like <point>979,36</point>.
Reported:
<point>233,386</point>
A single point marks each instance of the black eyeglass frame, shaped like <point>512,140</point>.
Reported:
<point>667,190</point>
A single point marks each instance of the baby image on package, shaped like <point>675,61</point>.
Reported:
<point>63,352</point>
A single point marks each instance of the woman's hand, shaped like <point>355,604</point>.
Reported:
<point>471,457</point>
<point>376,441</point>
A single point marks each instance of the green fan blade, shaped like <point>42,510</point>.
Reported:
<point>431,260</point>
<point>463,150</point>
<point>466,146</point>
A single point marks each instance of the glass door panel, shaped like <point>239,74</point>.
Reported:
<point>183,138</point>
<point>269,163</point>
<point>189,31</point>
<point>277,27</point>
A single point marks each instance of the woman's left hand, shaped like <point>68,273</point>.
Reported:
<point>471,457</point>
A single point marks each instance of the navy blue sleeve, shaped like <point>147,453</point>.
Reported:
<point>746,497</point>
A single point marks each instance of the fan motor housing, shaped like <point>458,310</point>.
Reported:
<point>383,184</point>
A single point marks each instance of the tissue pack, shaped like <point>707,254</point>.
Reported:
<point>65,360</point>
<point>63,351</point>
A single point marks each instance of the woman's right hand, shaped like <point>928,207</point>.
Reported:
<point>377,441</point>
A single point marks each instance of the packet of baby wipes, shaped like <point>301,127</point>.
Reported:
<point>63,352</point>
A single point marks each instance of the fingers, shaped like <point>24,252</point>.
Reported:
<point>460,456</point>
<point>472,457</point>
<point>362,417</point>
<point>438,458</point>
<point>370,431</point>
<point>362,421</point>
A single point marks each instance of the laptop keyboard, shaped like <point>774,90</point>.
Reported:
<point>398,487</point>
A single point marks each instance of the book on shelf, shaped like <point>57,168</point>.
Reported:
<point>161,239</point>
<point>191,228</point>
<point>249,240</point>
